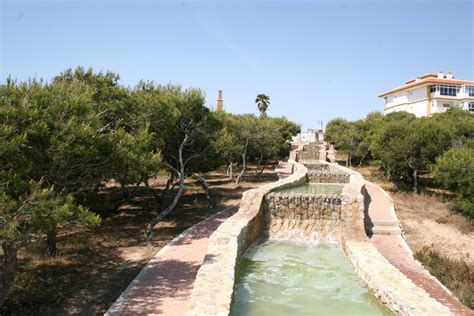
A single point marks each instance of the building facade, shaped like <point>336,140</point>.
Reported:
<point>310,136</point>
<point>429,94</point>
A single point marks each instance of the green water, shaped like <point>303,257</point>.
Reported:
<point>315,189</point>
<point>284,278</point>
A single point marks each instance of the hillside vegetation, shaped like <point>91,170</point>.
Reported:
<point>413,151</point>
<point>62,143</point>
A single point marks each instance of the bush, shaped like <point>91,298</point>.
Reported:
<point>457,275</point>
<point>455,170</point>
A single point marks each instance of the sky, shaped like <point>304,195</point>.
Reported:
<point>317,60</point>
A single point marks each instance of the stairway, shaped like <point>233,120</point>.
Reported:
<point>384,227</point>
<point>380,218</point>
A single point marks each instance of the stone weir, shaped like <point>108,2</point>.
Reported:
<point>310,152</point>
<point>303,216</point>
<point>315,176</point>
<point>319,214</point>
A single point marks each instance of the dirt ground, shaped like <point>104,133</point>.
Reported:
<point>427,221</point>
<point>95,266</point>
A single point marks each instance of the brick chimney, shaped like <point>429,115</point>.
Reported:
<point>220,102</point>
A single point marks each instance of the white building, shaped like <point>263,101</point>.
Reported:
<point>430,93</point>
<point>310,136</point>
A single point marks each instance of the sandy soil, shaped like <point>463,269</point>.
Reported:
<point>95,266</point>
<point>428,222</point>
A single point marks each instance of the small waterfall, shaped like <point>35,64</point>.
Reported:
<point>316,176</point>
<point>304,217</point>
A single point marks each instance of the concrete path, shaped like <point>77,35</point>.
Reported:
<point>397,252</point>
<point>164,285</point>
<point>284,169</point>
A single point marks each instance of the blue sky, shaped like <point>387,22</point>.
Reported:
<point>315,59</point>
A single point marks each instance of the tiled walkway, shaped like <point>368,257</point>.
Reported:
<point>164,286</point>
<point>393,248</point>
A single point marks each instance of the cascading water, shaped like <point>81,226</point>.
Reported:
<point>308,212</point>
<point>299,267</point>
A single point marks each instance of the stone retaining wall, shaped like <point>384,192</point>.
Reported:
<point>214,284</point>
<point>304,216</point>
<point>303,156</point>
<point>316,166</point>
<point>388,284</point>
<point>327,177</point>
<point>213,288</point>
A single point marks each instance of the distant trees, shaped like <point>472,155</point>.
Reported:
<point>404,145</point>
<point>246,138</point>
<point>61,142</point>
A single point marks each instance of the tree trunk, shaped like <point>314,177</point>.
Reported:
<point>205,186</point>
<point>263,168</point>
<point>51,245</point>
<point>244,162</point>
<point>9,269</point>
<point>363,158</point>
<point>156,220</point>
<point>167,188</point>
<point>259,163</point>
<point>158,199</point>
<point>231,171</point>
<point>180,173</point>
<point>415,180</point>
<point>126,193</point>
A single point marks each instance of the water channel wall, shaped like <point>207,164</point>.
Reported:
<point>214,284</point>
<point>213,287</point>
<point>340,217</point>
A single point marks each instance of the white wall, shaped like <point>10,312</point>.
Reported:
<point>415,101</point>
<point>417,108</point>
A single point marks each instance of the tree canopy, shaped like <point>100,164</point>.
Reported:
<point>404,146</point>
<point>63,141</point>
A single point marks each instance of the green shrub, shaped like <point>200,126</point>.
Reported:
<point>455,170</point>
<point>457,275</point>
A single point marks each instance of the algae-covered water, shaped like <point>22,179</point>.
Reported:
<point>315,189</point>
<point>286,278</point>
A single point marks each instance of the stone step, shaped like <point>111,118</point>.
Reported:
<point>384,222</point>
<point>386,230</point>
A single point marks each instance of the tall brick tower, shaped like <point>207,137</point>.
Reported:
<point>220,102</point>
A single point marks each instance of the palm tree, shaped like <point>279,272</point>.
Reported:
<point>263,101</point>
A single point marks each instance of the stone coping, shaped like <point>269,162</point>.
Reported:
<point>163,285</point>
<point>412,304</point>
<point>388,284</point>
<point>214,284</point>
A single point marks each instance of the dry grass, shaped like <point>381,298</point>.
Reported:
<point>428,206</point>
<point>95,266</point>
<point>457,275</point>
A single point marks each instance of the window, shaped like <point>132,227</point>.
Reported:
<point>470,90</point>
<point>445,89</point>
<point>471,107</point>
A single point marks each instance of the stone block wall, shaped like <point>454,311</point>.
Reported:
<point>304,216</point>
<point>316,166</point>
<point>327,177</point>
<point>214,284</point>
<point>302,156</point>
